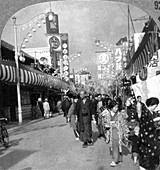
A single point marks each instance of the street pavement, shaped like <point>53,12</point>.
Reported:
<point>50,145</point>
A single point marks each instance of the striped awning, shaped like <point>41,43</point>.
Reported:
<point>29,76</point>
<point>148,46</point>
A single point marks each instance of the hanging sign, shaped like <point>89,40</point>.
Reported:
<point>55,42</point>
<point>65,54</point>
<point>52,26</point>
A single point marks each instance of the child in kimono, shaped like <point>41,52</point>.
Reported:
<point>133,137</point>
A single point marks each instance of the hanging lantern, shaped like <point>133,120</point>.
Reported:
<point>44,21</point>
<point>26,40</point>
<point>78,54</point>
<point>124,59</point>
<point>125,64</point>
<point>41,17</point>
<point>34,30</point>
<point>22,58</point>
<point>39,25</point>
<point>30,35</point>
<point>50,16</point>
<point>97,42</point>
<point>23,45</point>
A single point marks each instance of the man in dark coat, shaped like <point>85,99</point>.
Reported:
<point>83,111</point>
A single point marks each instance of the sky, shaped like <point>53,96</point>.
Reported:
<point>84,21</point>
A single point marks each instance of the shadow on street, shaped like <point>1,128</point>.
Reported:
<point>26,130</point>
<point>11,143</point>
<point>95,136</point>
<point>15,142</point>
<point>101,168</point>
<point>125,151</point>
<point>13,158</point>
<point>28,168</point>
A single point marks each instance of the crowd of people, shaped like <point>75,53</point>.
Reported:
<point>132,124</point>
<point>45,108</point>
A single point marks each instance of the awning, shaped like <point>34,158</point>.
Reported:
<point>29,76</point>
<point>148,46</point>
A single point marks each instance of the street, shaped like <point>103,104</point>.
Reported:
<point>50,145</point>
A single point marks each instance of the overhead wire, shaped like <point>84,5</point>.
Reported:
<point>122,9</point>
<point>130,17</point>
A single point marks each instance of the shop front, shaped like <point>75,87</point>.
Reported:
<point>145,51</point>
<point>145,65</point>
<point>34,84</point>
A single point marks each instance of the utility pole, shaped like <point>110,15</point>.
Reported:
<point>17,73</point>
<point>128,27</point>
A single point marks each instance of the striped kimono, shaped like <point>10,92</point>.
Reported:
<point>115,130</point>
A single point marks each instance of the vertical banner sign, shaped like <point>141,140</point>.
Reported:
<point>65,55</point>
<point>103,58</point>
<point>54,58</point>
<point>52,26</point>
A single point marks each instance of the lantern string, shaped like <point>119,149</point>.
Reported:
<point>32,19</point>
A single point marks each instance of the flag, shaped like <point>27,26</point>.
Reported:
<point>121,41</point>
<point>137,39</point>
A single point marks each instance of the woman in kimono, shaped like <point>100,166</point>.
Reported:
<point>149,151</point>
<point>115,127</point>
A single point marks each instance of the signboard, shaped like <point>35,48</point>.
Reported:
<point>52,26</point>
<point>41,54</point>
<point>54,42</point>
<point>103,58</point>
<point>65,55</point>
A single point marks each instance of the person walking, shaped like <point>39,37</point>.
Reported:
<point>93,110</point>
<point>73,117</point>
<point>139,105</point>
<point>149,145</point>
<point>100,108</point>
<point>40,105</point>
<point>66,103</point>
<point>131,108</point>
<point>133,137</point>
<point>59,106</point>
<point>114,124</point>
<point>46,108</point>
<point>83,111</point>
